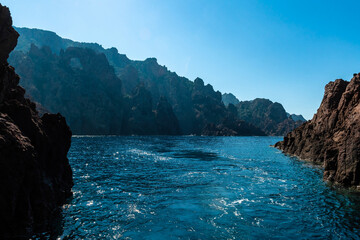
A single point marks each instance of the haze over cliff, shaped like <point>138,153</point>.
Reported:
<point>103,92</point>
<point>269,116</point>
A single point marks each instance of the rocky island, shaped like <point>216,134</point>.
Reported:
<point>35,175</point>
<point>332,137</point>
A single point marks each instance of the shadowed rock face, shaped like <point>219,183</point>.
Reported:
<point>332,137</point>
<point>166,121</point>
<point>269,116</point>
<point>100,91</point>
<point>35,175</point>
<point>78,82</point>
<point>8,36</point>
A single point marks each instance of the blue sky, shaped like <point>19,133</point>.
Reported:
<point>282,50</point>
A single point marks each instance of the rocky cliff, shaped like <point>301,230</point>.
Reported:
<point>35,175</point>
<point>100,91</point>
<point>269,116</point>
<point>78,83</point>
<point>228,98</point>
<point>332,137</point>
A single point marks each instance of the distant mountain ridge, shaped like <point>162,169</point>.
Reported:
<point>118,95</point>
<point>297,117</point>
<point>228,98</point>
<point>269,116</point>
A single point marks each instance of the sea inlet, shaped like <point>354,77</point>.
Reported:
<point>191,187</point>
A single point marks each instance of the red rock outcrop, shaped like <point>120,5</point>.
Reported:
<point>35,175</point>
<point>332,137</point>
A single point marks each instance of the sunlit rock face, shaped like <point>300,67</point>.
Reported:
<point>332,137</point>
<point>35,175</point>
<point>228,98</point>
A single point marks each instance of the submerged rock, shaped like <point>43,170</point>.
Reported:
<point>332,137</point>
<point>35,175</point>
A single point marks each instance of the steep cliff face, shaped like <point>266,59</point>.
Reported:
<point>332,137</point>
<point>100,91</point>
<point>230,125</point>
<point>35,175</point>
<point>140,118</point>
<point>166,121</point>
<point>269,116</point>
<point>78,83</point>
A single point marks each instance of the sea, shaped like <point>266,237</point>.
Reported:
<point>194,187</point>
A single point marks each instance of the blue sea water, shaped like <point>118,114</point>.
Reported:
<point>201,188</point>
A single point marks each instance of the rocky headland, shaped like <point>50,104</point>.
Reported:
<point>35,175</point>
<point>332,137</point>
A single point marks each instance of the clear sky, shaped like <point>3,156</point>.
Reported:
<point>282,50</point>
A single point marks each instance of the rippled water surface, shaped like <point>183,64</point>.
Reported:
<point>201,188</point>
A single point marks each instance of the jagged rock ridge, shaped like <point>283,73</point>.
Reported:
<point>156,79</point>
<point>268,116</point>
<point>100,91</point>
<point>35,175</point>
<point>228,98</point>
<point>332,137</point>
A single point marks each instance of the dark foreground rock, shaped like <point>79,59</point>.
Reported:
<point>332,137</point>
<point>35,175</point>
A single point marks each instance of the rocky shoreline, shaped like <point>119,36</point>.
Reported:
<point>332,137</point>
<point>35,175</point>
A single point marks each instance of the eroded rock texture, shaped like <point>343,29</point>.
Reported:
<point>35,175</point>
<point>332,137</point>
<point>100,91</point>
<point>269,116</point>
